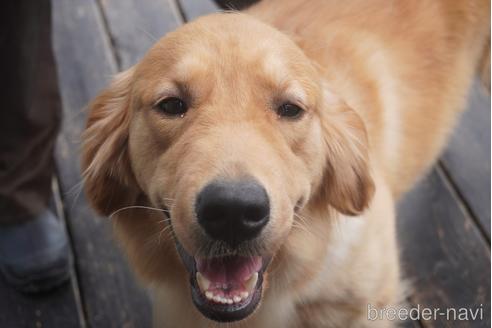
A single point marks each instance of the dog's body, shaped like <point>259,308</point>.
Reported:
<point>404,67</point>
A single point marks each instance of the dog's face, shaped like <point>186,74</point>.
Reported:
<point>227,126</point>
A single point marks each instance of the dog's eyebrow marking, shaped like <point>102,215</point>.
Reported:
<point>274,67</point>
<point>296,92</point>
<point>166,89</point>
<point>187,66</point>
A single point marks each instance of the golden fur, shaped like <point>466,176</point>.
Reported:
<point>382,82</point>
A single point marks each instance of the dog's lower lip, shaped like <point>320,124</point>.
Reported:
<point>225,311</point>
<point>233,304</point>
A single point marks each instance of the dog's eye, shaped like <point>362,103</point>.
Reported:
<point>289,110</point>
<point>172,106</point>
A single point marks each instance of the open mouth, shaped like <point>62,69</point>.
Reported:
<point>225,288</point>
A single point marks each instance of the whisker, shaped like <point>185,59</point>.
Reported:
<point>75,189</point>
<point>165,229</point>
<point>77,195</point>
<point>152,37</point>
<point>137,207</point>
<point>303,224</point>
<point>156,237</point>
<point>303,229</point>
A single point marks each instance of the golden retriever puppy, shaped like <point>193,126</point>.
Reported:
<point>272,145</point>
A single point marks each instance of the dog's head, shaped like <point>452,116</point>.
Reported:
<point>227,126</point>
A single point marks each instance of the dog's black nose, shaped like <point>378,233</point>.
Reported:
<point>233,211</point>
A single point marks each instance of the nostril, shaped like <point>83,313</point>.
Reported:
<point>233,211</point>
<point>256,214</point>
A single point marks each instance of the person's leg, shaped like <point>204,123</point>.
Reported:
<point>33,244</point>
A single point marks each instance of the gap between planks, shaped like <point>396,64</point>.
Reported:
<point>74,272</point>
<point>460,200</point>
<point>178,11</point>
<point>117,61</point>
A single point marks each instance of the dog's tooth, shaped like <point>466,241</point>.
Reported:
<point>251,283</point>
<point>217,298</point>
<point>244,295</point>
<point>203,282</point>
<point>209,295</point>
<point>237,299</point>
<point>229,301</point>
<point>223,300</point>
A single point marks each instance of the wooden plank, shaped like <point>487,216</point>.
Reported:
<point>58,308</point>
<point>135,25</point>
<point>110,295</point>
<point>467,158</point>
<point>53,309</point>
<point>443,253</point>
<point>192,9</point>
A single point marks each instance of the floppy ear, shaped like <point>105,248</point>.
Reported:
<point>347,184</point>
<point>108,178</point>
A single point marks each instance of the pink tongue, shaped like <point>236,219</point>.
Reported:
<point>228,270</point>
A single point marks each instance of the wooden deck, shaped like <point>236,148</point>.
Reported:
<point>444,224</point>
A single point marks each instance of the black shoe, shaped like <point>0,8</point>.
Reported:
<point>34,256</point>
